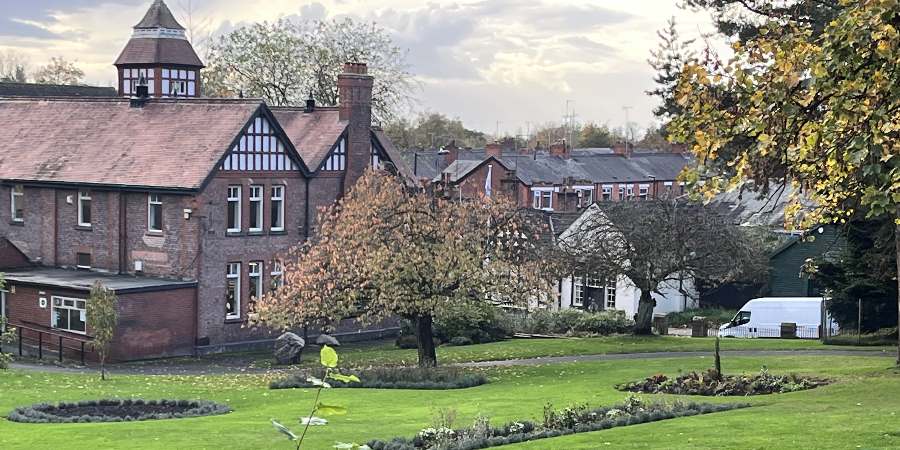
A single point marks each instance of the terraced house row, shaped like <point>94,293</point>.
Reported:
<point>179,203</point>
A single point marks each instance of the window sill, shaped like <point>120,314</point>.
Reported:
<point>234,233</point>
<point>234,320</point>
<point>278,233</point>
<point>17,223</point>
<point>255,233</point>
<point>154,233</point>
<point>84,228</point>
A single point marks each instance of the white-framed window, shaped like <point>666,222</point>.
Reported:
<point>644,191</point>
<point>256,209</point>
<point>69,314</point>
<point>668,185</point>
<point>277,275</point>
<point>17,203</point>
<point>585,195</point>
<point>543,198</point>
<point>84,209</point>
<point>610,294</point>
<point>621,192</point>
<point>607,192</point>
<point>179,83</point>
<point>234,209</point>
<point>629,191</point>
<point>578,293</point>
<point>154,213</point>
<point>233,291</point>
<point>132,77</point>
<point>376,158</point>
<point>277,212</point>
<point>255,280</point>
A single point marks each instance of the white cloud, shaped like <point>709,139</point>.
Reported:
<point>513,61</point>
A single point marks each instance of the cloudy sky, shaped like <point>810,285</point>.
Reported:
<point>485,61</point>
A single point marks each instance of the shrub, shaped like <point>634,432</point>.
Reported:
<point>481,325</point>
<point>710,384</point>
<point>396,378</point>
<point>115,410</point>
<point>575,322</point>
<point>574,419</point>
<point>460,341</point>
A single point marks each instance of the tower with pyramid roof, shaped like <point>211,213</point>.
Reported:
<point>160,55</point>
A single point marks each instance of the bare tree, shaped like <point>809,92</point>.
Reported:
<point>59,71</point>
<point>654,242</point>
<point>283,62</point>
<point>13,67</point>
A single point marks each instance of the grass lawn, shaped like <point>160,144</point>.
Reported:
<point>386,353</point>
<point>859,410</point>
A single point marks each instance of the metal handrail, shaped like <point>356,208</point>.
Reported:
<point>43,330</point>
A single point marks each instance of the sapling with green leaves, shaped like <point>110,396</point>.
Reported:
<point>103,315</point>
<point>328,357</point>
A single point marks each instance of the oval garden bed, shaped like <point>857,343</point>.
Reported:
<point>394,378</point>
<point>116,411</point>
<point>699,383</point>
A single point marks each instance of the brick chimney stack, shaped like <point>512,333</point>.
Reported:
<point>355,91</point>
<point>561,149</point>
<point>494,149</point>
<point>450,152</point>
<point>621,148</point>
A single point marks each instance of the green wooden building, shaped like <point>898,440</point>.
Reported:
<point>786,263</point>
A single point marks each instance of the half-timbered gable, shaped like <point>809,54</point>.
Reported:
<point>261,147</point>
<point>336,160</point>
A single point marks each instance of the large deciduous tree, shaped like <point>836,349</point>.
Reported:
<point>816,105</point>
<point>386,251</point>
<point>432,130</point>
<point>285,61</point>
<point>660,242</point>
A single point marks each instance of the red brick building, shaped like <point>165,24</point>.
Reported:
<point>560,179</point>
<point>179,203</point>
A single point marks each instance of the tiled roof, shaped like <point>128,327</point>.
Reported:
<point>313,134</point>
<point>53,90</point>
<point>395,156</point>
<point>588,165</point>
<point>167,144</point>
<point>159,51</point>
<point>159,16</point>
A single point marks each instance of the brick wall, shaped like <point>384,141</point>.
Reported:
<point>155,324</point>
<point>151,325</point>
<point>220,248</point>
<point>10,256</point>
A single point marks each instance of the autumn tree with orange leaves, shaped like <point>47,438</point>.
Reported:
<point>386,251</point>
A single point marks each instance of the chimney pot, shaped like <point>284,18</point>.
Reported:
<point>621,148</point>
<point>310,104</point>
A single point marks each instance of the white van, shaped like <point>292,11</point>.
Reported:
<point>762,317</point>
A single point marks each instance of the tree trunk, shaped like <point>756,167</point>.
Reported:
<point>897,243</point>
<point>718,361</point>
<point>102,368</point>
<point>425,341</point>
<point>643,320</point>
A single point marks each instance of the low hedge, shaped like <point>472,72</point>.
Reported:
<point>116,410</point>
<point>394,378</point>
<point>577,419</point>
<point>710,384</point>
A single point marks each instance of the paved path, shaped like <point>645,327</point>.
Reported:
<point>198,368</point>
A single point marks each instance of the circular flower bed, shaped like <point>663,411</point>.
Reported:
<point>116,411</point>
<point>710,384</point>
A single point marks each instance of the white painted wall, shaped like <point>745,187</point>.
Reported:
<point>628,296</point>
